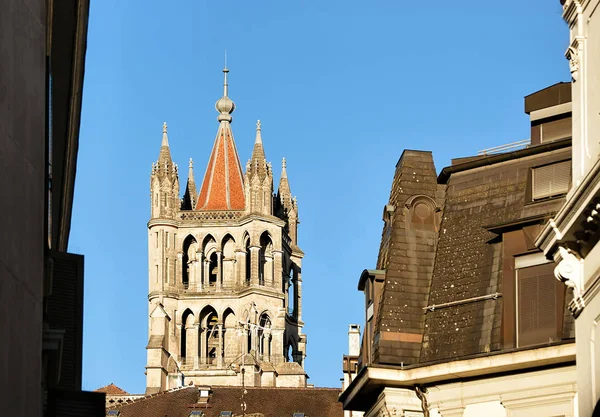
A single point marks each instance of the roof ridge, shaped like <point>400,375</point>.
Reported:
<point>148,396</point>
<point>279,388</point>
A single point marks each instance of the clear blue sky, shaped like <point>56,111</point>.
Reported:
<point>341,88</point>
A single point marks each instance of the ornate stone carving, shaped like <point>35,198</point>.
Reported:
<point>573,56</point>
<point>569,272</point>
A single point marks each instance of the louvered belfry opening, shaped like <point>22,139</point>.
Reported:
<point>551,180</point>
<point>539,306</point>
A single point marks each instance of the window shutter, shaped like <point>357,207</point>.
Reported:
<point>550,180</point>
<point>537,305</point>
<point>557,129</point>
<point>64,311</point>
<point>67,403</point>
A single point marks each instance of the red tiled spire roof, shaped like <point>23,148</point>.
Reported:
<point>112,389</point>
<point>223,184</point>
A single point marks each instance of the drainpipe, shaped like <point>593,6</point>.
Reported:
<point>421,395</point>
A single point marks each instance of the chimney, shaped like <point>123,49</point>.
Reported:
<point>354,340</point>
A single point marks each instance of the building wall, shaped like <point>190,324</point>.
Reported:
<point>540,393</point>
<point>22,165</point>
<point>584,59</point>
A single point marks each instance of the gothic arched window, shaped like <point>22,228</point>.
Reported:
<point>264,336</point>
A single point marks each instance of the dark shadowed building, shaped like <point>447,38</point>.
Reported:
<point>463,314</point>
<point>41,285</point>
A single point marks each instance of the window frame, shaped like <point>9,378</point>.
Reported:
<point>552,194</point>
<point>532,260</point>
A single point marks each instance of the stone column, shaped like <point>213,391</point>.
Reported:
<point>240,268</point>
<point>196,347</point>
<point>298,295</point>
<point>179,269</point>
<point>192,277</point>
<point>206,272</point>
<point>277,345</point>
<point>286,286</point>
<point>200,270</point>
<point>220,352</point>
<point>244,341</point>
<point>268,273</point>
<point>277,269</point>
<point>219,270</point>
<point>255,338</point>
<point>161,262</point>
<point>254,259</point>
<point>178,328</point>
<point>191,344</point>
<point>203,345</point>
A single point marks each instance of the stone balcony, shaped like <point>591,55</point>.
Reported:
<point>228,362</point>
<point>212,288</point>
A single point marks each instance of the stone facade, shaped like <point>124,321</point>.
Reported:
<point>225,272</point>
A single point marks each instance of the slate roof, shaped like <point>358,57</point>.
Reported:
<point>270,402</point>
<point>408,258</point>
<point>458,257</point>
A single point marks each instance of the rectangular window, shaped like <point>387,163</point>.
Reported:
<point>551,180</point>
<point>556,129</point>
<point>167,238</point>
<point>156,239</point>
<point>540,298</point>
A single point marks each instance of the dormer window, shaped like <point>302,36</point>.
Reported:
<point>551,180</point>
<point>540,297</point>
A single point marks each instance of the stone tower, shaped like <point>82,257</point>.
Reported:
<point>224,271</point>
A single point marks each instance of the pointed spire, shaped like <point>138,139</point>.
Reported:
<point>284,192</point>
<point>164,158</point>
<point>164,182</point>
<point>258,152</point>
<point>223,184</point>
<point>258,135</point>
<point>165,138</point>
<point>190,197</point>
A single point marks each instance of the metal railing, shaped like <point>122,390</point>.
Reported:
<point>505,148</point>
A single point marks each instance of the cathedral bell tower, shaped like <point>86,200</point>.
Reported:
<point>224,273</point>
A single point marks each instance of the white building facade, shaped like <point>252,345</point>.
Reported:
<point>572,235</point>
